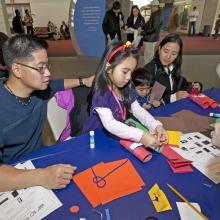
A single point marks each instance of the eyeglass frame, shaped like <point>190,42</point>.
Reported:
<point>37,69</point>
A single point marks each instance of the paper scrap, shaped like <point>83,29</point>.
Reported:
<point>187,213</point>
<point>159,199</point>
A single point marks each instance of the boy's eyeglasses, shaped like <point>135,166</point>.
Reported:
<point>41,69</point>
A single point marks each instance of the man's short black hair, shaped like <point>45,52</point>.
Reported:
<point>21,47</point>
<point>116,5</point>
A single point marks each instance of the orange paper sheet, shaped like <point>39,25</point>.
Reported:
<point>121,182</point>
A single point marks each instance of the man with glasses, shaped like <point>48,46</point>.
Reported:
<point>23,112</point>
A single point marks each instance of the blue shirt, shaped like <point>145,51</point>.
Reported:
<point>142,100</point>
<point>21,125</point>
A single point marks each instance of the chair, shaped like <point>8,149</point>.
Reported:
<point>56,117</point>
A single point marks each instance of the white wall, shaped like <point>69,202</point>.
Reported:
<point>4,27</point>
<point>45,10</point>
<point>53,10</point>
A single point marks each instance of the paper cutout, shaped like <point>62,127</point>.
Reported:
<point>177,163</point>
<point>105,182</point>
<point>136,124</point>
<point>157,91</point>
<point>174,138</point>
<point>186,121</point>
<point>187,213</point>
<point>204,101</point>
<point>137,149</point>
<point>159,199</point>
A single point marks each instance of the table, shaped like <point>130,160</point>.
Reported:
<point>136,206</point>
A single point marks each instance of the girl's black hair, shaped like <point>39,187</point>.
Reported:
<point>171,38</point>
<point>141,77</point>
<point>102,81</point>
<point>135,6</point>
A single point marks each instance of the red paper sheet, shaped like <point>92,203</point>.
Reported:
<point>140,152</point>
<point>121,180</point>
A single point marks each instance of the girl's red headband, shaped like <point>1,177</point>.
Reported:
<point>126,45</point>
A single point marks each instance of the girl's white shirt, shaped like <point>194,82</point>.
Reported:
<point>124,131</point>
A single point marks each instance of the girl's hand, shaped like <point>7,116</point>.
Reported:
<point>182,94</point>
<point>149,140</point>
<point>162,136</point>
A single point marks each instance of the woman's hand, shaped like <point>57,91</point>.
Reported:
<point>181,94</point>
<point>162,136</point>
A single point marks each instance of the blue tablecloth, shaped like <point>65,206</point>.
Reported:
<point>136,206</point>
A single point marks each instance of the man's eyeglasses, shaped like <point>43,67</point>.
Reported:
<point>41,69</point>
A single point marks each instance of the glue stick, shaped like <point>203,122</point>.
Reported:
<point>92,139</point>
<point>216,115</point>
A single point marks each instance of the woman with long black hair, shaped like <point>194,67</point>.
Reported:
<point>165,68</point>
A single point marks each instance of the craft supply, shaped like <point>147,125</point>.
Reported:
<point>159,199</point>
<point>92,139</point>
<point>216,115</point>
<point>74,208</point>
<point>98,212</point>
<point>107,213</point>
<point>137,149</point>
<point>108,181</point>
<point>186,201</point>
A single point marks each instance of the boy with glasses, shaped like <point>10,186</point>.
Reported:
<point>23,112</point>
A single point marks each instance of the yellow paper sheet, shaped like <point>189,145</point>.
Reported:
<point>159,199</point>
<point>174,138</point>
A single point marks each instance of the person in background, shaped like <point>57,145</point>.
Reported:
<point>135,21</point>
<point>152,31</point>
<point>113,98</point>
<point>217,28</point>
<point>53,31</point>
<point>216,135</point>
<point>23,112</point>
<point>3,68</point>
<point>165,68</point>
<point>113,22</point>
<point>17,23</point>
<point>141,80</point>
<point>28,21</point>
<point>218,70</point>
<point>173,22</point>
<point>64,30</point>
<point>193,16</point>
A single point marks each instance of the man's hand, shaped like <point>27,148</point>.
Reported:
<point>88,81</point>
<point>56,176</point>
